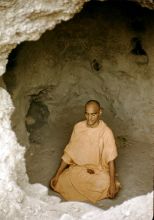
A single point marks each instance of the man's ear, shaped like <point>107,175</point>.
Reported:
<point>101,111</point>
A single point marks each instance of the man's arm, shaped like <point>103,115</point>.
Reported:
<point>112,189</point>
<point>63,165</point>
<point>54,180</point>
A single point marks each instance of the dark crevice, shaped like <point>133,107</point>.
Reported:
<point>137,47</point>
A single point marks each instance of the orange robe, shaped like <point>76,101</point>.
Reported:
<point>89,148</point>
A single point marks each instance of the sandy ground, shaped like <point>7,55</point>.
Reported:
<point>134,163</point>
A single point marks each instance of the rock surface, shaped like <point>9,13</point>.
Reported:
<point>21,22</point>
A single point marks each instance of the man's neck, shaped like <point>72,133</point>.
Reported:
<point>95,125</point>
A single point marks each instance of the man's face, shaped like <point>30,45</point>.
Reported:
<point>92,114</point>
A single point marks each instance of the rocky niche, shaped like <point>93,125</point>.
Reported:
<point>106,53</point>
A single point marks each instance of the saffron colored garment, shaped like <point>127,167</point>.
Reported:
<point>89,148</point>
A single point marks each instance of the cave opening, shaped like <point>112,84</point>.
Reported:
<point>89,57</point>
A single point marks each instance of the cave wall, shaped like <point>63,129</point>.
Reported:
<point>93,56</point>
<point>19,23</point>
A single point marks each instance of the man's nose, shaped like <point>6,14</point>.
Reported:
<point>89,117</point>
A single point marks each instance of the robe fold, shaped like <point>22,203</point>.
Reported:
<point>88,148</point>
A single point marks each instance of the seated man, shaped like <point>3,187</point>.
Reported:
<point>87,171</point>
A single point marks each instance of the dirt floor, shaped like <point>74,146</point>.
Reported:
<point>134,163</point>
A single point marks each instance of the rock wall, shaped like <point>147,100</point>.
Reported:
<point>92,56</point>
<point>20,22</point>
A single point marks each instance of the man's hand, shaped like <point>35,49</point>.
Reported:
<point>54,181</point>
<point>90,171</point>
<point>112,190</point>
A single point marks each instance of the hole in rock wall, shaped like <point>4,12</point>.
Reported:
<point>137,47</point>
<point>86,58</point>
<point>36,118</point>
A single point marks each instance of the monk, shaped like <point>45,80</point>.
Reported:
<point>87,170</point>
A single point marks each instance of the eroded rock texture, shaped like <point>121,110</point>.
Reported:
<point>20,21</point>
<point>146,3</point>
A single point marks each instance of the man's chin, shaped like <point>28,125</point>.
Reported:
<point>90,124</point>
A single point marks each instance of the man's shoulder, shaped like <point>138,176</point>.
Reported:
<point>80,124</point>
<point>105,128</point>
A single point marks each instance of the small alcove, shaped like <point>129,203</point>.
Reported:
<point>86,58</point>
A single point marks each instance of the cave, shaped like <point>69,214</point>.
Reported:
<point>105,52</point>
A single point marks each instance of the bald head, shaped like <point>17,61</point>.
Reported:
<point>92,113</point>
<point>94,103</point>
